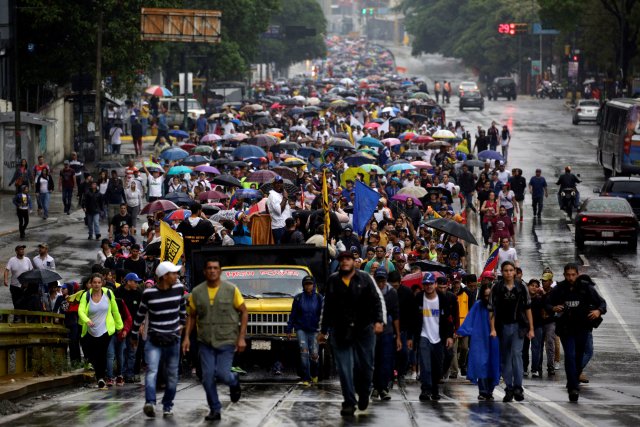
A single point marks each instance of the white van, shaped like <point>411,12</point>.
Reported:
<point>175,112</point>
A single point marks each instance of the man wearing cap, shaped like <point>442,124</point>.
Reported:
<point>278,206</point>
<point>66,184</point>
<point>305,320</point>
<point>43,260</point>
<point>352,313</point>
<point>349,239</point>
<point>165,305</point>
<point>219,314</point>
<point>434,330</point>
<point>386,344</point>
<point>131,294</point>
<point>196,231</point>
<point>16,265</point>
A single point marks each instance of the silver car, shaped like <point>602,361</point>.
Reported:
<point>586,111</point>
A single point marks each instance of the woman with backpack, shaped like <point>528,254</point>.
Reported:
<point>100,319</point>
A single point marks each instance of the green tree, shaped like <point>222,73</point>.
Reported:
<point>291,49</point>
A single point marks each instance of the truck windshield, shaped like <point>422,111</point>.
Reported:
<point>266,282</point>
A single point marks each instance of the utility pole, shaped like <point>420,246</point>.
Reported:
<point>16,82</point>
<point>99,142</point>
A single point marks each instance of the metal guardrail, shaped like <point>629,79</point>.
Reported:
<point>22,332</point>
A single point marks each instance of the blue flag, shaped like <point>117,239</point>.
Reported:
<point>363,207</point>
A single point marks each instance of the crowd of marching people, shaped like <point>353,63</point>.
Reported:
<point>360,161</point>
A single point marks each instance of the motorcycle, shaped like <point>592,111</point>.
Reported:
<point>567,198</point>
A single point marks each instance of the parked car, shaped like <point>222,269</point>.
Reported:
<point>471,99</point>
<point>175,111</point>
<point>586,110</point>
<point>626,187</point>
<point>467,86</point>
<point>502,86</point>
<point>606,219</point>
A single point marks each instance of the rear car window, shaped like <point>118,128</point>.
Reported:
<point>629,187</point>
<point>608,206</point>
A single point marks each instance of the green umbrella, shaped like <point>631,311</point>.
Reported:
<point>370,168</point>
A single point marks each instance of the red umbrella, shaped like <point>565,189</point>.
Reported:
<point>212,195</point>
<point>412,279</point>
<point>409,135</point>
<point>159,205</point>
<point>422,139</point>
<point>179,215</point>
<point>262,176</point>
<point>188,146</point>
<point>372,125</point>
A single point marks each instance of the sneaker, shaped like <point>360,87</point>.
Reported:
<point>235,392</point>
<point>536,374</point>
<point>424,397</point>
<point>463,372</point>
<point>314,380</point>
<point>347,410</point>
<point>90,237</point>
<point>490,396</point>
<point>167,413</point>
<point>482,397</point>
<point>375,394</point>
<point>304,383</point>
<point>453,376</point>
<point>110,382</point>
<point>583,378</point>
<point>238,370</point>
<point>556,365</point>
<point>435,397</point>
<point>526,374</point>
<point>213,416</point>
<point>98,236</point>
<point>102,384</point>
<point>149,410</point>
<point>574,395</point>
<point>518,394</point>
<point>508,396</point>
<point>384,395</point>
<point>119,381</point>
<point>363,401</point>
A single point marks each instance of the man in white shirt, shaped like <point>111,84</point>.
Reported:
<point>506,253</point>
<point>227,126</point>
<point>278,206</point>
<point>16,265</point>
<point>446,184</point>
<point>154,183</point>
<point>503,174</point>
<point>44,260</point>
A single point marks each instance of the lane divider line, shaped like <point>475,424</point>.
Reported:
<point>562,411</point>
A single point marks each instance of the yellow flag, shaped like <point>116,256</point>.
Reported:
<point>325,206</point>
<point>347,128</point>
<point>171,244</point>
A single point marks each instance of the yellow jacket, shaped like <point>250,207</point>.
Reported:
<point>463,305</point>
<point>114,321</point>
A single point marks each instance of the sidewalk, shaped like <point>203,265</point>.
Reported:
<point>14,387</point>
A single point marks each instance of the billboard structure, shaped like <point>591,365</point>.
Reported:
<point>180,25</point>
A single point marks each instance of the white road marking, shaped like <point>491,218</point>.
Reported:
<point>560,410</point>
<point>524,410</point>
<point>611,308</point>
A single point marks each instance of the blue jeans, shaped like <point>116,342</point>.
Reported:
<point>128,357</point>
<point>308,343</point>
<point>468,200</point>
<point>511,356</point>
<point>536,350</point>
<point>171,358</point>
<point>402,356</point>
<point>588,350</point>
<point>431,359</point>
<point>537,203</point>
<point>44,198</point>
<point>384,361</point>
<point>354,362</point>
<point>485,385</point>
<point>67,195</point>
<point>111,354</point>
<point>574,348</point>
<point>216,365</point>
<point>277,234</point>
<point>93,223</point>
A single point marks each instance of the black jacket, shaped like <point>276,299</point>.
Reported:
<point>49,183</point>
<point>567,180</point>
<point>350,309</point>
<point>448,313</point>
<point>407,306</point>
<point>92,202</point>
<point>578,300</point>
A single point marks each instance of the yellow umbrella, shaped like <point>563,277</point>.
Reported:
<point>351,174</point>
<point>462,147</point>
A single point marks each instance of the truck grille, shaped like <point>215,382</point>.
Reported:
<point>267,323</point>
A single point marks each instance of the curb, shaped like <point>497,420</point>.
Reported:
<point>18,392</point>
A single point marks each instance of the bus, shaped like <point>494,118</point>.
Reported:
<point>619,137</point>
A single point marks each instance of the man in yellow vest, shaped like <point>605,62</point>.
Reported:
<point>217,308</point>
<point>460,344</point>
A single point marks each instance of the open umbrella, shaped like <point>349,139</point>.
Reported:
<point>490,155</point>
<point>421,165</point>
<point>426,265</point>
<point>177,133</point>
<point>188,146</point>
<point>263,140</point>
<point>286,172</point>
<point>179,198</point>
<point>196,160</point>
<point>158,91</point>
<point>285,146</point>
<point>207,169</point>
<point>245,151</point>
<point>178,215</point>
<point>221,161</point>
<point>372,125</point>
<point>417,192</point>
<point>212,195</point>
<point>341,143</point>
<point>406,136</point>
<point>210,209</point>
<point>174,154</point>
<point>419,95</point>
<point>359,159</point>
<point>401,121</point>
<point>202,149</point>
<point>39,276</point>
<point>210,137</point>
<point>178,170</point>
<point>401,167</point>
<point>369,168</point>
<point>159,205</point>
<point>351,174</point>
<point>288,185</point>
<point>247,193</point>
<point>438,144</point>
<point>443,134</point>
<point>422,139</point>
<point>239,164</point>
<point>227,181</point>
<point>414,154</point>
<point>391,142</point>
<point>302,129</point>
<point>474,162</point>
<point>262,176</point>
<point>454,228</point>
<point>306,151</point>
<point>294,162</point>
<point>371,142</point>
<point>403,198</point>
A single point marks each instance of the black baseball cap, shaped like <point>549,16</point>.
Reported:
<point>345,254</point>
<point>308,279</point>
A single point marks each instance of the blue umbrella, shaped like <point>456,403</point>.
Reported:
<point>247,193</point>
<point>174,154</point>
<point>401,167</point>
<point>245,151</point>
<point>490,154</point>
<point>370,142</point>
<point>177,133</point>
<point>306,151</point>
<point>359,159</point>
<point>178,170</point>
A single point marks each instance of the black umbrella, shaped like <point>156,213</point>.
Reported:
<point>227,181</point>
<point>39,276</point>
<point>238,164</point>
<point>264,121</point>
<point>341,143</point>
<point>453,228</point>
<point>426,265</point>
<point>474,162</point>
<point>288,186</point>
<point>153,249</point>
<point>179,198</point>
<point>220,161</point>
<point>195,160</point>
<point>210,209</point>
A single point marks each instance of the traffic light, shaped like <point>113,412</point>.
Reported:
<point>368,10</point>
<point>576,58</point>
<point>513,28</point>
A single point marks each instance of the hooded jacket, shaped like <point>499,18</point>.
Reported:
<point>305,312</point>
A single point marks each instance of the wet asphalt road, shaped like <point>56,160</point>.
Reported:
<point>542,136</point>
